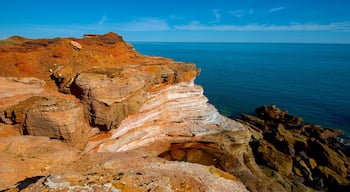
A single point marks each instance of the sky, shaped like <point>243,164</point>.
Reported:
<point>294,21</point>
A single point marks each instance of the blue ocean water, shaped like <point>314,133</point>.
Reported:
<point>309,80</point>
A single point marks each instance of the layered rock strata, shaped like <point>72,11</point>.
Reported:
<point>297,154</point>
<point>93,114</point>
<point>120,117</point>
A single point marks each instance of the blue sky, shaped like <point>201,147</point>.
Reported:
<point>316,21</point>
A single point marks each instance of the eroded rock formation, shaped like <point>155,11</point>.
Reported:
<point>298,153</point>
<point>93,114</point>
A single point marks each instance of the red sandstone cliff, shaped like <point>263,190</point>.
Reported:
<point>93,114</point>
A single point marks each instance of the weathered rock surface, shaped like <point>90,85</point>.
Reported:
<point>20,86</point>
<point>134,110</point>
<point>301,154</point>
<point>110,172</point>
<point>110,95</point>
<point>9,130</point>
<point>50,116</point>
<point>24,157</point>
<point>127,122</point>
<point>13,90</point>
<point>176,123</point>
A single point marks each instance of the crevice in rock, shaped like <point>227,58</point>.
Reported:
<point>28,181</point>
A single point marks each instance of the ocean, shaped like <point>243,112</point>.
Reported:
<point>311,81</point>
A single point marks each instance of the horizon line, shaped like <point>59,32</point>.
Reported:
<point>247,42</point>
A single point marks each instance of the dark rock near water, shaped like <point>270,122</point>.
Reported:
<point>299,156</point>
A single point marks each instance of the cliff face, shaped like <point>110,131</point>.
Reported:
<point>94,114</point>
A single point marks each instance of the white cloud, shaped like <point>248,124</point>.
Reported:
<point>275,9</point>
<point>142,24</point>
<point>217,16</point>
<point>102,20</point>
<point>241,13</point>
<point>196,26</point>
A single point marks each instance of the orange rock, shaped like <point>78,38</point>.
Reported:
<point>150,106</point>
<point>28,156</point>
<point>9,130</point>
<point>178,154</point>
<point>194,155</point>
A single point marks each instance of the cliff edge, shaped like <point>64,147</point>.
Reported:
<point>93,114</point>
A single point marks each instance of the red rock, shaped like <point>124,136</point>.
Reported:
<point>9,130</point>
<point>145,108</point>
<point>28,156</point>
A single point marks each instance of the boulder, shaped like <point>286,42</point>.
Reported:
<point>76,45</point>
<point>275,114</point>
<point>109,96</point>
<point>51,116</point>
<point>319,133</point>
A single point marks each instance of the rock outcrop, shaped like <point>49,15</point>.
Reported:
<point>297,153</point>
<point>112,172</point>
<point>53,117</point>
<point>97,115</point>
<point>13,90</point>
<point>93,114</point>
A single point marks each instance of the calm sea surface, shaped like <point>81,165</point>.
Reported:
<point>309,80</point>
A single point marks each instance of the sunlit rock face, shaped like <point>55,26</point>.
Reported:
<point>177,123</point>
<point>94,114</point>
<point>50,116</point>
<point>15,89</point>
<point>112,94</point>
<point>175,113</point>
<point>130,171</point>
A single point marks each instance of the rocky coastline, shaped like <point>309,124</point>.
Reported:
<point>93,114</point>
<point>294,152</point>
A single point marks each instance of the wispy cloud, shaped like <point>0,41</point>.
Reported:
<point>144,24</point>
<point>241,13</point>
<point>276,9</point>
<point>196,26</point>
<point>74,30</point>
<point>102,20</point>
<point>217,16</point>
